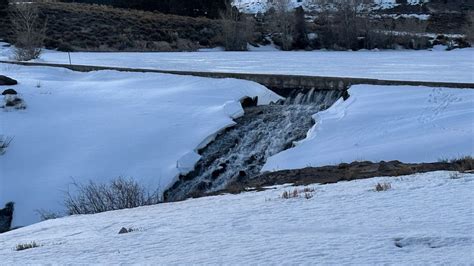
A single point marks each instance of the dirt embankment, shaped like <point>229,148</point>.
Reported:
<point>344,172</point>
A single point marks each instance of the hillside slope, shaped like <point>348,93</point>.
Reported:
<point>422,219</point>
<point>85,27</point>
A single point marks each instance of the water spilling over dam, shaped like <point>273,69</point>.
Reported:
<point>241,151</point>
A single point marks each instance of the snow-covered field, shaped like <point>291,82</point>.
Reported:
<point>424,219</point>
<point>101,125</point>
<point>436,65</point>
<point>411,124</point>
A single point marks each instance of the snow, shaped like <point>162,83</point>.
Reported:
<point>409,124</point>
<point>105,124</point>
<point>441,66</point>
<point>406,16</point>
<point>430,216</point>
<point>261,6</point>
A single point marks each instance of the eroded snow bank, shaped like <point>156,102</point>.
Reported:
<point>105,124</point>
<point>409,124</point>
<point>423,219</point>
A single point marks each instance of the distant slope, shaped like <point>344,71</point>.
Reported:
<point>84,27</point>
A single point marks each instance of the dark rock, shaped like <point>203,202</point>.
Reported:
<point>343,166</point>
<point>249,102</point>
<point>202,186</point>
<point>13,102</point>
<point>6,217</point>
<point>6,81</point>
<point>123,230</point>
<point>9,92</point>
<point>215,174</point>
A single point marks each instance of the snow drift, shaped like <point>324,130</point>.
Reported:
<point>422,219</point>
<point>101,125</point>
<point>405,123</point>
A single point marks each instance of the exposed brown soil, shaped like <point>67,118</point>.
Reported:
<point>344,172</point>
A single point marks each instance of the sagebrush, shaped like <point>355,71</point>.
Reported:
<point>4,143</point>
<point>383,187</point>
<point>25,246</point>
<point>120,193</point>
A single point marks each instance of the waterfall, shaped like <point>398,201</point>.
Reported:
<point>241,151</point>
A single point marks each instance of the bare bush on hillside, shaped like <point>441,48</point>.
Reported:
<point>120,193</point>
<point>283,23</point>
<point>342,23</point>
<point>29,31</point>
<point>4,143</point>
<point>20,247</point>
<point>383,187</point>
<point>469,28</point>
<point>237,29</point>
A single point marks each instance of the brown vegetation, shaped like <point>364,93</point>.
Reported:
<point>118,194</point>
<point>307,193</point>
<point>383,187</point>
<point>237,29</point>
<point>83,27</point>
<point>28,30</point>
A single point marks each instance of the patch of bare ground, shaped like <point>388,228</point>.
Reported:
<point>346,172</point>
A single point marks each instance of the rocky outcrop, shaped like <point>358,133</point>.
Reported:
<point>6,217</point>
<point>9,92</point>
<point>6,81</point>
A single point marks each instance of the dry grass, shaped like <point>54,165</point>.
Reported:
<point>307,193</point>
<point>25,246</point>
<point>4,143</point>
<point>455,175</point>
<point>383,187</point>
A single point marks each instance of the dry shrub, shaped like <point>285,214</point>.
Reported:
<point>21,247</point>
<point>307,193</point>
<point>464,164</point>
<point>118,194</point>
<point>29,32</point>
<point>469,28</point>
<point>4,143</point>
<point>383,187</point>
<point>14,101</point>
<point>237,29</point>
<point>45,215</point>
<point>455,175</point>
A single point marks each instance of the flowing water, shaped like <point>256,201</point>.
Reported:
<point>241,151</point>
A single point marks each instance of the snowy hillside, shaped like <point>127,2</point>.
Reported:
<point>256,6</point>
<point>105,124</point>
<point>422,219</point>
<point>411,124</point>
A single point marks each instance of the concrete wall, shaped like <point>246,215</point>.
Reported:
<point>281,84</point>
